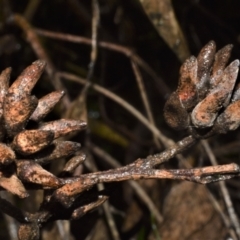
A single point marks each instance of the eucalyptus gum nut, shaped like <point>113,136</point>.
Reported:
<point>175,114</point>
<point>46,105</point>
<point>24,84</point>
<point>17,111</point>
<point>187,91</point>
<point>31,141</point>
<point>58,149</point>
<point>205,60</point>
<point>63,126</point>
<point>7,155</point>
<point>30,171</point>
<point>229,120</point>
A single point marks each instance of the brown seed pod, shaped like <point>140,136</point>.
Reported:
<point>74,162</point>
<point>221,60</point>
<point>229,120</point>
<point>205,113</point>
<point>205,59</point>
<point>17,112</point>
<point>46,105</point>
<point>28,231</point>
<point>13,185</point>
<point>63,126</point>
<point>228,79</point>
<point>27,79</point>
<point>59,149</point>
<point>4,84</point>
<point>7,155</point>
<point>31,141</point>
<point>236,93</point>
<point>175,114</point>
<point>68,192</point>
<point>79,212</point>
<point>187,90</point>
<point>29,171</point>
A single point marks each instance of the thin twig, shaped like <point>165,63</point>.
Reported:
<point>94,50</point>
<point>31,8</point>
<point>37,47</point>
<point>224,190</point>
<point>161,85</point>
<point>106,206</point>
<point>137,188</point>
<point>145,169</point>
<point>167,142</point>
<point>144,97</point>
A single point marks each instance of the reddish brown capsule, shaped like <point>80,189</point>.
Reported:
<point>46,105</point>
<point>79,212</point>
<point>27,80</point>
<point>29,171</point>
<point>17,111</point>
<point>31,141</point>
<point>187,90</point>
<point>205,60</point>
<point>4,85</point>
<point>205,113</point>
<point>13,185</point>
<point>229,120</point>
<point>67,193</point>
<point>236,93</point>
<point>74,162</point>
<point>63,126</point>
<point>227,81</point>
<point>7,155</point>
<point>29,231</point>
<point>175,114</point>
<point>59,149</point>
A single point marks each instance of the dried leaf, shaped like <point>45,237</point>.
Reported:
<point>31,141</point>
<point>46,105</point>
